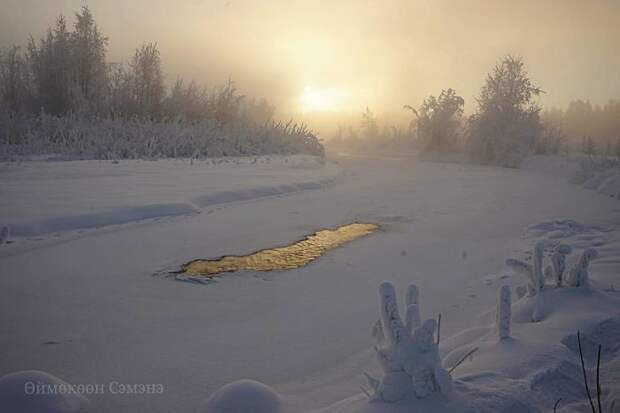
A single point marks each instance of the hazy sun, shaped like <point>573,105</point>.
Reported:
<point>314,99</point>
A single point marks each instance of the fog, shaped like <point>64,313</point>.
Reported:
<point>327,60</point>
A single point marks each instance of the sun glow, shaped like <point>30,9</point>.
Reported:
<point>314,99</point>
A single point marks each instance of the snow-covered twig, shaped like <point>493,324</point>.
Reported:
<point>462,359</point>
<point>504,313</point>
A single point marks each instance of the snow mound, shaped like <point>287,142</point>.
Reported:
<point>244,396</point>
<point>222,197</point>
<point>18,394</point>
<point>559,228</point>
<point>606,182</point>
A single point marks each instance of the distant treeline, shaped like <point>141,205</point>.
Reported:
<point>508,124</point>
<point>592,129</point>
<point>65,80</point>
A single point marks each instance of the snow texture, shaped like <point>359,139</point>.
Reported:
<point>244,396</point>
<point>32,391</point>
<point>93,301</point>
<point>578,276</point>
<point>4,235</point>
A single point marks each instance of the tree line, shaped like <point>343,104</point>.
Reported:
<point>507,125</point>
<point>66,74</point>
<point>592,129</point>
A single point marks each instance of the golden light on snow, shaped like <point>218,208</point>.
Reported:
<point>288,257</point>
<point>317,99</point>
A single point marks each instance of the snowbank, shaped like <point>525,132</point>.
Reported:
<point>244,396</point>
<point>33,391</point>
<point>43,197</point>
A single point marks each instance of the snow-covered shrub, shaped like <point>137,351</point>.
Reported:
<point>504,313</point>
<point>409,359</point>
<point>536,276</point>
<point>439,121</point>
<point>578,275</point>
<point>595,167</point>
<point>83,136</point>
<point>29,391</point>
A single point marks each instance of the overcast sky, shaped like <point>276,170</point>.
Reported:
<point>381,54</point>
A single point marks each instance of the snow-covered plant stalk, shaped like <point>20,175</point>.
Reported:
<point>526,270</point>
<point>558,261</point>
<point>538,313</point>
<point>534,274</point>
<point>412,305</point>
<point>578,275</point>
<point>539,279</point>
<point>410,360</point>
<point>504,313</point>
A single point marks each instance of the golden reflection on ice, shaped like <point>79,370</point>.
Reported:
<point>281,258</point>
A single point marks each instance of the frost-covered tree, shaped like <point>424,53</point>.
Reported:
<point>438,121</point>
<point>15,86</point>
<point>51,68</point>
<point>225,104</point>
<point>368,125</point>
<point>410,361</point>
<point>89,48</point>
<point>504,313</point>
<point>147,80</point>
<point>506,125</point>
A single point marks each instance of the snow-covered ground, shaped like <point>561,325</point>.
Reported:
<point>88,309</point>
<point>42,197</point>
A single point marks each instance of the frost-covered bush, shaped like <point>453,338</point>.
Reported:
<point>593,167</point>
<point>577,277</point>
<point>78,135</point>
<point>409,357</point>
<point>439,121</point>
<point>504,313</point>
